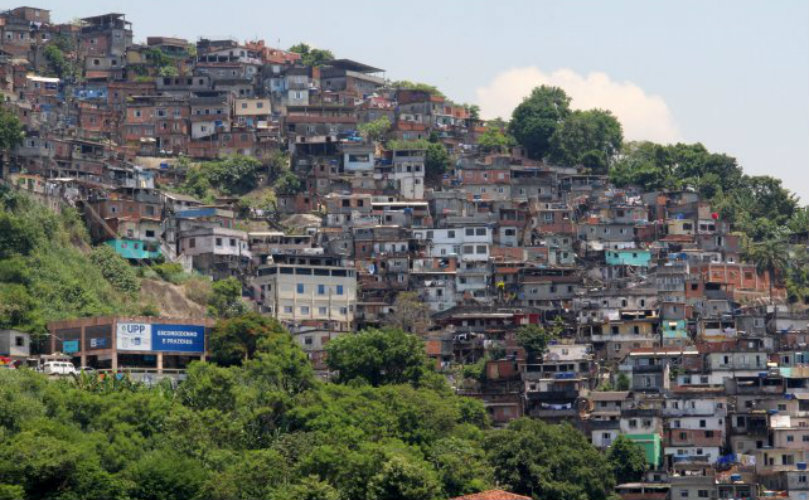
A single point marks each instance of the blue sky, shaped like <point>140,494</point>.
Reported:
<point>731,74</point>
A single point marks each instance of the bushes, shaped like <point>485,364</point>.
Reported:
<point>44,277</point>
<point>115,269</point>
<point>172,272</point>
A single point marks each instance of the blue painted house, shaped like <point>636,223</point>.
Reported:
<point>135,249</point>
<point>629,257</point>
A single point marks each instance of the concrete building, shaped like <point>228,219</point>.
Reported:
<point>310,289</point>
<point>119,343</point>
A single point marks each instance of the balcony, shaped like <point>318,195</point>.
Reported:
<point>599,425</point>
<point>564,396</point>
<point>637,369</point>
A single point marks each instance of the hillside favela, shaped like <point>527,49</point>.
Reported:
<point>231,270</point>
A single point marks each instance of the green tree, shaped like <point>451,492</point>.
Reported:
<point>623,383</point>
<point>549,461</point>
<point>474,112</point>
<point>308,488</point>
<point>288,183</point>
<point>424,87</point>
<point>226,299</point>
<point>311,56</point>
<point>461,465</point>
<point>590,138</point>
<point>375,130</point>
<point>57,62</point>
<point>535,338</point>
<point>386,356</point>
<point>436,162</point>
<point>404,479</point>
<point>537,117</point>
<point>165,475</point>
<point>494,140</point>
<point>627,459</point>
<point>769,256</point>
<point>115,269</point>
<point>11,492</point>
<point>233,175</point>
<point>236,339</point>
<point>11,132</point>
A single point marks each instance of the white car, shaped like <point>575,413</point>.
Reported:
<point>59,368</point>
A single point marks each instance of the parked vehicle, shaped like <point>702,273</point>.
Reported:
<point>59,368</point>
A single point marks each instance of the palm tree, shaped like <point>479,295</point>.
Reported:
<point>770,256</point>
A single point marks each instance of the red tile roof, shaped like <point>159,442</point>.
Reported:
<point>492,495</point>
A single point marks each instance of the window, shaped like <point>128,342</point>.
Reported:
<point>300,288</point>
<point>450,233</point>
<point>481,231</point>
<point>288,309</point>
<point>481,250</point>
<point>192,243</point>
<point>702,493</point>
<point>20,342</point>
<point>790,438</point>
<point>304,309</point>
<point>339,289</point>
<point>321,289</point>
<point>702,424</point>
<point>470,231</point>
<point>219,242</point>
<point>322,311</point>
<point>684,493</point>
<point>307,340</point>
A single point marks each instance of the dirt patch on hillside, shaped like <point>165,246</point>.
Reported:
<point>170,299</point>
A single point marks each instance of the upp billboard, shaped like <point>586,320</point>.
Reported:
<point>134,337</point>
<point>160,338</point>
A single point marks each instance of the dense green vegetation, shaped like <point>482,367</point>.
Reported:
<point>311,56</point>
<point>44,273</point>
<point>258,424</point>
<point>254,182</point>
<point>546,127</point>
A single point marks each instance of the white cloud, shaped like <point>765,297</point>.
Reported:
<point>643,116</point>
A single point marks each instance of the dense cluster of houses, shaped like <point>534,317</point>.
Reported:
<point>667,336</point>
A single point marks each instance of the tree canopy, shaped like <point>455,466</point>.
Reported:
<point>495,140</point>
<point>627,459</point>
<point>11,132</point>
<point>536,118</point>
<point>589,138</point>
<point>549,461</point>
<point>386,356</point>
<point>311,56</point>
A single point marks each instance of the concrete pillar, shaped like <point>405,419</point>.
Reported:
<point>160,362</point>
<point>81,348</point>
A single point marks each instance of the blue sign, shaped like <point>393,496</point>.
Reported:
<point>70,346</point>
<point>98,342</point>
<point>178,338</point>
